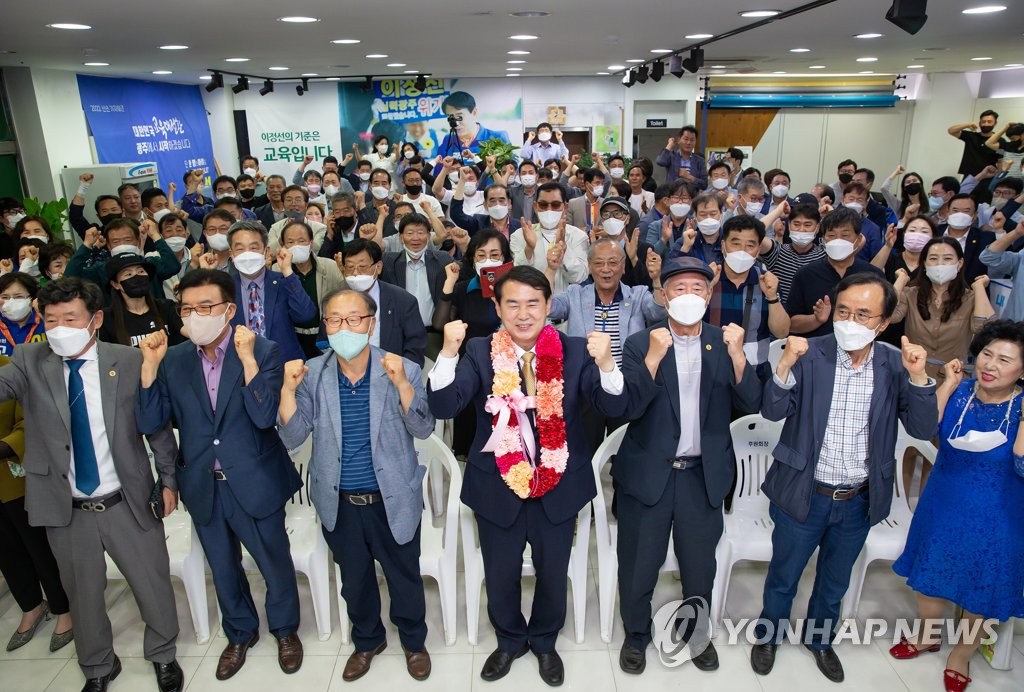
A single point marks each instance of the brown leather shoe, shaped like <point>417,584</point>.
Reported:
<point>233,656</point>
<point>358,663</point>
<point>289,653</point>
<point>417,663</point>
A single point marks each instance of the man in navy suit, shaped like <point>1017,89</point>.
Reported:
<point>506,520</point>
<point>842,398</point>
<point>497,206</point>
<point>269,303</point>
<point>960,224</point>
<point>234,473</point>
<point>676,463</point>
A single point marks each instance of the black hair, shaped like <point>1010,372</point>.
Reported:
<point>248,157</point>
<point>105,198</point>
<point>720,163</point>
<point>244,178</point>
<point>68,288</point>
<point>276,176</point>
<point>414,160</point>
<point>842,216</point>
<point>385,171</point>
<point>663,191</point>
<point>310,173</point>
<point>679,185</point>
<point>224,179</point>
<point>364,162</point>
<point>478,240</point>
<point>742,222</point>
<point>524,274</point>
<point>621,188</point>
<point>495,186</point>
<point>122,223</point>
<point>806,211</point>
<point>964,195</point>
<point>148,195</point>
<point>547,125</point>
<point>868,173</point>
<point>889,298</point>
<point>748,171</point>
<point>906,199</point>
<point>330,159</point>
<point>459,100</point>
<point>51,252</point>
<point>222,214</point>
<point>379,138</point>
<point>293,188</point>
<point>525,162</point>
<point>19,227</point>
<point>998,330</point>
<point>27,280</point>
<point>227,202</point>
<point>126,186</point>
<point>736,153</point>
<point>413,219</point>
<point>309,230</point>
<point>846,162</point>
<point>9,203</point>
<point>403,203</point>
<point>706,198</point>
<point>689,128</point>
<point>551,187</point>
<point>827,191</point>
<point>619,157</point>
<point>207,277</point>
<point>407,171</point>
<point>1015,184</point>
<point>957,287</point>
<point>592,174</point>
<point>360,245</point>
<point>119,310</point>
<point>948,184</point>
<point>987,113</point>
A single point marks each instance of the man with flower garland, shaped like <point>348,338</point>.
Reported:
<point>528,473</point>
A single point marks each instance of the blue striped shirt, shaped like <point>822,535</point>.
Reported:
<point>356,454</point>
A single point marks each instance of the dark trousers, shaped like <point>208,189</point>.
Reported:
<point>502,549</point>
<point>643,542</point>
<point>26,560</point>
<point>839,528</point>
<point>361,536</point>
<point>230,528</point>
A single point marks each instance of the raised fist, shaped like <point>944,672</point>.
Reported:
<point>599,346</point>
<point>395,368</point>
<point>294,371</point>
<point>454,335</point>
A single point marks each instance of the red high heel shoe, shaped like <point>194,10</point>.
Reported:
<point>905,650</point>
<point>954,681</point>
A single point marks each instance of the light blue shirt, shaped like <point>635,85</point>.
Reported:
<point>1000,263</point>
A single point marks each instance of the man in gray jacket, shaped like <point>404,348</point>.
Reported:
<point>364,406</point>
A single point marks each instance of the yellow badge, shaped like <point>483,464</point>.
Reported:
<point>112,373</point>
<point>707,347</point>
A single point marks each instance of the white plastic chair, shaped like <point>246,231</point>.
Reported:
<point>474,567</point>
<point>439,546</point>
<point>1002,652</point>
<point>748,528</point>
<point>441,429</point>
<point>887,538</point>
<point>775,349</point>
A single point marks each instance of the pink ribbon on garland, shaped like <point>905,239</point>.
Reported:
<point>503,406</point>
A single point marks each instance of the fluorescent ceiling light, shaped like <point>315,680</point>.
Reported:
<point>345,41</point>
<point>867,59</point>
<point>236,59</point>
<point>174,47</point>
<point>298,20</point>
<point>661,50</point>
<point>162,72</point>
<point>96,64</point>
<point>519,52</point>
<point>697,37</point>
<point>374,56</point>
<point>278,68</point>
<point>522,37</point>
<point>69,26</point>
<point>984,9</point>
<point>758,14</point>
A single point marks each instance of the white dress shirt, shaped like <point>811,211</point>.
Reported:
<point>90,372</point>
<point>374,292</point>
<point>574,269</point>
<point>686,350</point>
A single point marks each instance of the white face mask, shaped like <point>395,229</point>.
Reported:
<point>549,219</point>
<point>176,243</point>
<point>409,154</point>
<point>382,148</point>
<point>380,192</point>
<point>709,227</point>
<point>999,202</point>
<point>780,191</point>
<point>720,183</point>
<point>753,208</point>
<point>977,441</point>
<point>687,309</point>
<point>225,195</point>
<point>854,206</point>
<point>364,176</point>
<point>159,214</point>
<point>598,190</point>
<point>218,242</point>
<point>68,342</point>
<point>959,220</point>
<point>16,309</point>
<point>360,282</point>
<point>453,177</point>
<point>331,190</point>
<point>497,212</point>
<point>124,250</point>
<point>544,136</point>
<point>617,172</point>
<point>249,263</point>
<point>203,329</point>
<point>802,239</point>
<point>414,254</point>
<point>679,209</point>
<point>251,172</point>
<point>300,253</point>
<point>528,180</point>
<point>613,227</point>
<point>852,336</point>
<point>469,189</point>
<point>486,264</point>
<point>839,249</point>
<point>13,219</point>
<point>935,203</point>
<point>942,274</point>
<point>739,261</point>
<point>30,267</point>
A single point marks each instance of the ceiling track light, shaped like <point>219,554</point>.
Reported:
<point>658,70</point>
<point>241,85</point>
<point>421,82</point>
<point>675,65</point>
<point>268,87</point>
<point>367,85</point>
<point>216,82</point>
<point>909,15</point>
<point>642,73</point>
<point>695,61</point>
<point>630,78</point>
<point>302,88</point>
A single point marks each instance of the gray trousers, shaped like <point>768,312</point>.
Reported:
<point>142,558</point>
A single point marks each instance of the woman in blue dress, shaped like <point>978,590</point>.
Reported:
<point>966,541</point>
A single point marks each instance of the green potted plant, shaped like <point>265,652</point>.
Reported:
<point>54,212</point>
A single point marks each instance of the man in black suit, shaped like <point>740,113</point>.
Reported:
<point>400,328</point>
<point>960,224</point>
<point>531,503</point>
<point>676,463</point>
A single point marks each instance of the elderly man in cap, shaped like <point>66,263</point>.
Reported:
<point>620,223</point>
<point>675,465</point>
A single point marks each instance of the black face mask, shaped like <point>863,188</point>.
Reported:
<point>845,178</point>
<point>107,218</point>
<point>985,129</point>
<point>912,189</point>
<point>135,286</point>
<point>247,194</point>
<point>345,223</point>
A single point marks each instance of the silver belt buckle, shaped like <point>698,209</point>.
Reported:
<point>94,507</point>
<point>360,500</point>
<point>837,494</point>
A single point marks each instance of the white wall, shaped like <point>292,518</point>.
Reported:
<point>219,111</point>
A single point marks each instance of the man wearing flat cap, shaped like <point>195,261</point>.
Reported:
<point>676,464</point>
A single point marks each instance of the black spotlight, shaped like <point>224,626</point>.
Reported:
<point>367,85</point>
<point>268,86</point>
<point>675,65</point>
<point>630,78</point>
<point>302,88</point>
<point>217,82</point>
<point>908,15</point>
<point>642,73</point>
<point>657,70</point>
<point>421,82</point>
<point>695,61</point>
<point>241,85</point>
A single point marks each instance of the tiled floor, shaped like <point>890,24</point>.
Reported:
<point>591,666</point>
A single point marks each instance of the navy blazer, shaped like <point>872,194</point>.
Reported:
<point>394,268</point>
<point>265,215</point>
<point>240,434</point>
<point>483,488</point>
<point>285,304</point>
<point>475,222</point>
<point>977,240</point>
<point>790,481</point>
<point>642,465</point>
<point>401,328</point>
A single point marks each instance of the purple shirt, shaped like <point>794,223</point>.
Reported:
<point>211,373</point>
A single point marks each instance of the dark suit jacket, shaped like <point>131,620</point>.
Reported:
<point>475,222</point>
<point>265,214</point>
<point>483,489</point>
<point>401,327</point>
<point>285,304</point>
<point>977,240</point>
<point>642,466</point>
<point>790,481</point>
<point>241,434</point>
<point>394,270</point>
<point>368,214</point>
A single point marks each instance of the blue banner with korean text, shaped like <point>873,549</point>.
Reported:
<point>398,100</point>
<point>134,121</point>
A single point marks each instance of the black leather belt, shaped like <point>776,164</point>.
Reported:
<point>683,463</point>
<point>361,499</point>
<point>100,504</point>
<point>218,475</point>
<point>841,493</point>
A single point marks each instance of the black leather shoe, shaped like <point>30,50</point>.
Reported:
<point>169,677</point>
<point>762,658</point>
<point>100,684</point>
<point>708,659</point>
<point>552,672</point>
<point>631,659</point>
<point>499,663</point>
<point>828,663</point>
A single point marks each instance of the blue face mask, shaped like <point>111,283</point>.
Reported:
<point>348,344</point>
